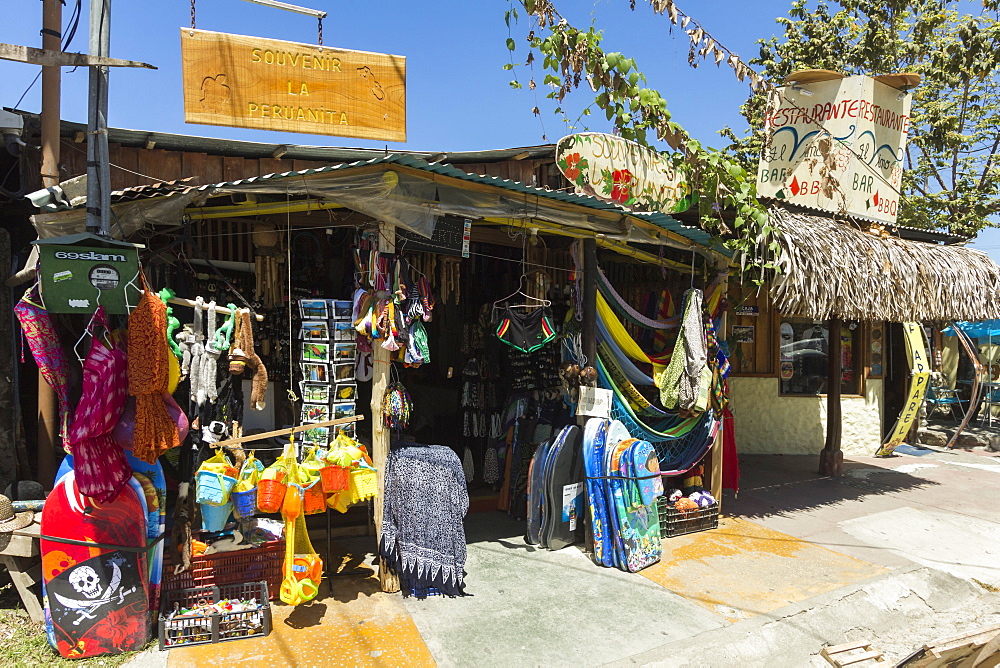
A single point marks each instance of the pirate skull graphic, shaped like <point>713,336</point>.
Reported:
<point>85,580</point>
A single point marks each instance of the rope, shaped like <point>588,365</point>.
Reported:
<point>292,397</point>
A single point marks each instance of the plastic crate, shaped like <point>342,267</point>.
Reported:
<point>228,568</point>
<point>215,627</point>
<point>676,523</point>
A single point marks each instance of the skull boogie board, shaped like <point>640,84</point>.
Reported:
<point>151,478</point>
<point>635,496</point>
<point>594,436</point>
<point>564,491</point>
<point>536,493</point>
<point>96,595</point>
<point>616,434</point>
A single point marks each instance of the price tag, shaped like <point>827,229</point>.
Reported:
<point>594,402</point>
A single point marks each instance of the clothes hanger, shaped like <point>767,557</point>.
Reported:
<point>540,303</point>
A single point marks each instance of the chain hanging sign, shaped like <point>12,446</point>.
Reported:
<point>623,172</point>
<point>266,84</point>
<point>836,143</point>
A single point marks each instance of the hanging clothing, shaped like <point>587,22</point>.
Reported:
<point>46,349</point>
<point>730,458</point>
<point>102,469</point>
<point>681,382</point>
<point>423,538</point>
<point>526,332</point>
<point>148,376</point>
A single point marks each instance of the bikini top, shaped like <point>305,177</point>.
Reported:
<point>526,331</point>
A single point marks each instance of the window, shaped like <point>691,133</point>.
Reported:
<point>802,356</point>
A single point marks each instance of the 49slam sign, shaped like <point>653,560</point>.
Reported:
<point>267,84</point>
<point>836,145</point>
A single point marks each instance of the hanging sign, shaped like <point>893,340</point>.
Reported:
<point>266,84</point>
<point>836,143</point>
<point>623,172</point>
<point>920,375</point>
<point>594,402</point>
<point>82,271</point>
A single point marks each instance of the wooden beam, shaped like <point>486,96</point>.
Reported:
<point>831,458</point>
<point>380,433</point>
<point>287,431</point>
<point>33,56</point>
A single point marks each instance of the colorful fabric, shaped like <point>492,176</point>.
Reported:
<point>46,349</point>
<point>681,381</point>
<point>148,377</point>
<point>620,336</point>
<point>526,332</point>
<point>611,297</point>
<point>102,469</point>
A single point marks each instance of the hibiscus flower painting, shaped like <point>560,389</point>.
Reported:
<point>574,168</point>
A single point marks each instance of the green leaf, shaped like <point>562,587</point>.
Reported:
<point>510,44</point>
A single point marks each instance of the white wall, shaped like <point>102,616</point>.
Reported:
<point>767,423</point>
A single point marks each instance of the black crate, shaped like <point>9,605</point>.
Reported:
<point>676,523</point>
<point>217,627</point>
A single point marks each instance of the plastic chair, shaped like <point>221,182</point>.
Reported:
<point>942,398</point>
<point>990,400</point>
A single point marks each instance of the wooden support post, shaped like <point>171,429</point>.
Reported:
<point>831,458</point>
<point>589,333</point>
<point>380,433</point>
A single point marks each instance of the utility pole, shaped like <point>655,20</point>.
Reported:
<point>98,167</point>
<point>48,414</point>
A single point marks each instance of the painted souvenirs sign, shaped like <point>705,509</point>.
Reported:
<point>836,145</point>
<point>623,172</point>
<point>267,84</point>
<point>920,376</point>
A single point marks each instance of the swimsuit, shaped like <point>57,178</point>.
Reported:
<point>527,332</point>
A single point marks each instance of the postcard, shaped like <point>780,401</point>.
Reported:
<point>315,413</point>
<point>345,392</point>
<point>314,351</point>
<point>313,309</point>
<point>314,330</point>
<point>343,373</point>
<point>344,351</point>
<point>343,309</point>
<point>315,393</point>
<point>315,372</point>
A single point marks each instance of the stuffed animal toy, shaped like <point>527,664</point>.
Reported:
<point>703,499</point>
<point>693,480</point>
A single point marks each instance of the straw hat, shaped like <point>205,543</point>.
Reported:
<point>11,521</point>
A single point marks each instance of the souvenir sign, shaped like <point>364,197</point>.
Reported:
<point>344,351</point>
<point>315,393</point>
<point>315,372</point>
<point>623,172</point>
<point>594,401</point>
<point>342,309</point>
<point>345,392</point>
<point>315,352</point>
<point>267,84</point>
<point>837,143</point>
<point>315,330</point>
<point>313,309</point>
<point>315,413</point>
<point>343,410</point>
<point>343,330</point>
<point>82,271</point>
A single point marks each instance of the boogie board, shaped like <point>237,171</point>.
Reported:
<point>636,496</point>
<point>536,493</point>
<point>616,434</point>
<point>156,512</point>
<point>96,596</point>
<point>564,491</point>
<point>594,436</point>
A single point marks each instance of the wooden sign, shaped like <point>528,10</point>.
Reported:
<point>266,84</point>
<point>836,144</point>
<point>623,172</point>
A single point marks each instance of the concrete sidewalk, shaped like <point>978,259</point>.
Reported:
<point>898,552</point>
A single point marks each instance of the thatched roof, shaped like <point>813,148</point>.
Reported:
<point>832,268</point>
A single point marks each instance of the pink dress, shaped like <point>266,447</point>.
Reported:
<point>102,469</point>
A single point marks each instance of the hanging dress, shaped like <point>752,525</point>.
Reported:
<point>102,469</point>
<point>46,349</point>
<point>149,376</point>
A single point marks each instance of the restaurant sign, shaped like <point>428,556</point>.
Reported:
<point>266,84</point>
<point>623,172</point>
<point>836,144</point>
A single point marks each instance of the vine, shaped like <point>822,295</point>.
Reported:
<point>728,206</point>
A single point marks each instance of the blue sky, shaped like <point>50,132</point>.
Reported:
<point>458,95</point>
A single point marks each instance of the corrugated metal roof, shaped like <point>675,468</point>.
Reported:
<point>151,190</point>
<point>661,220</point>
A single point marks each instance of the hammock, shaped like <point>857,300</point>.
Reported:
<point>638,402</point>
<point>680,456</point>
<point>607,290</point>
<point>616,330</point>
<point>669,428</point>
<point>632,372</point>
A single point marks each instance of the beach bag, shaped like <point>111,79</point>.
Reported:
<point>244,493</point>
<point>214,480</point>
